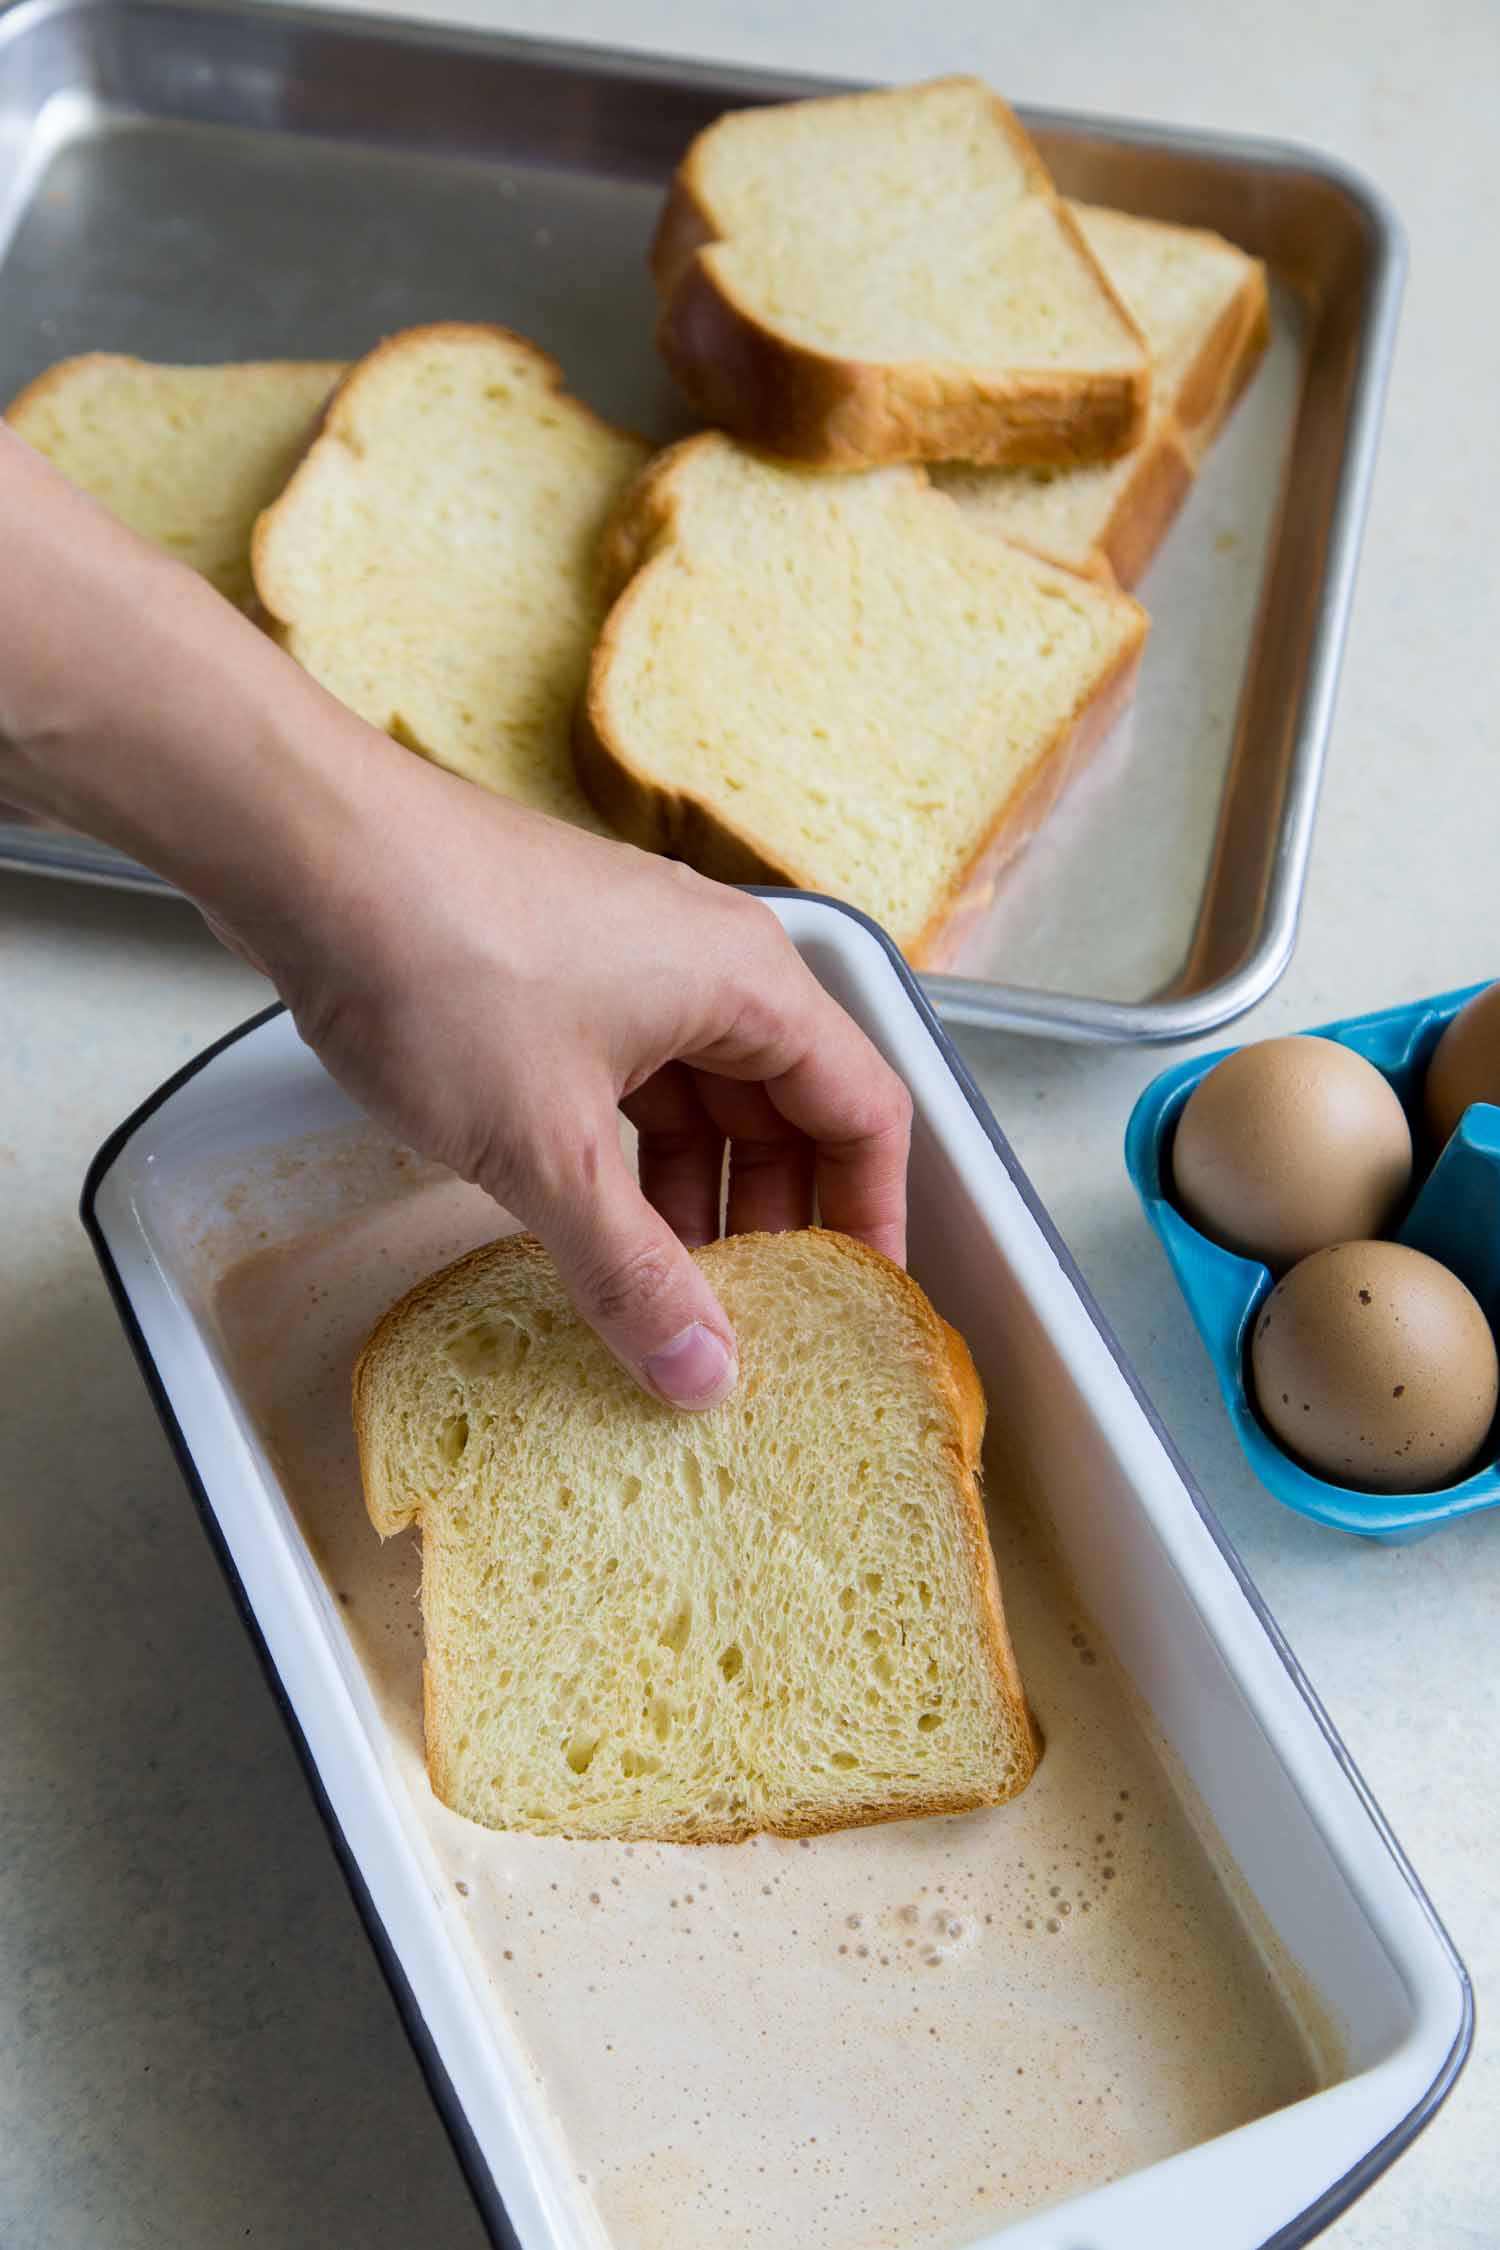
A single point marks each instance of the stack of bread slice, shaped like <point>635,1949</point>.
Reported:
<point>892,277</point>
<point>1202,307</point>
<point>857,639</point>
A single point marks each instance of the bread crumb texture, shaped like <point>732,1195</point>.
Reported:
<point>848,676</point>
<point>187,457</point>
<point>781,1615</point>
<point>1179,283</point>
<point>915,225</point>
<point>431,560</point>
<point>1200,304</point>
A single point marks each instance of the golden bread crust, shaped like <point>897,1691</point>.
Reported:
<point>1072,746</point>
<point>842,413</point>
<point>1218,396</point>
<point>1224,362</point>
<point>62,371</point>
<point>1142,514</point>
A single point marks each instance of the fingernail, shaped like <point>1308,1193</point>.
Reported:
<point>696,1369</point>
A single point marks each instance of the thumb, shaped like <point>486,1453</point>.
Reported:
<point>638,1288</point>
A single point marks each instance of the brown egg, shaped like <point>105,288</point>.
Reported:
<point>1288,1146</point>
<point>1376,1368</point>
<point>1465,1066</point>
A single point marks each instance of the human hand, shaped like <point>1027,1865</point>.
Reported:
<point>491,985</point>
<point>495,986</point>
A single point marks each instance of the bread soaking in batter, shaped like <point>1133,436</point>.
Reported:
<point>897,2035</point>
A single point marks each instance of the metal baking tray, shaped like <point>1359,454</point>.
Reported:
<point>219,1159</point>
<point>194,181</point>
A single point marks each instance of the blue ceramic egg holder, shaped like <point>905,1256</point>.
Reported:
<point>1454,1216</point>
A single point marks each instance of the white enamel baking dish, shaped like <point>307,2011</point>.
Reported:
<point>1150,1564</point>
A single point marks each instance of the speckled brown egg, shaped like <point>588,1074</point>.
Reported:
<point>1289,1145</point>
<point>1465,1066</point>
<point>1375,1366</point>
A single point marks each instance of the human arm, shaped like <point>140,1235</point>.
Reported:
<point>491,985</point>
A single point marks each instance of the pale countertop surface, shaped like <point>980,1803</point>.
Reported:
<point>196,2046</point>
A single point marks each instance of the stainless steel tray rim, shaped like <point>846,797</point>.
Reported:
<point>1074,1019</point>
<point>1262,150</point>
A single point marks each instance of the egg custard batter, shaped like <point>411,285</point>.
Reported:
<point>897,2035</point>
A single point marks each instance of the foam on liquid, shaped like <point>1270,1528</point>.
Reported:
<point>899,2035</point>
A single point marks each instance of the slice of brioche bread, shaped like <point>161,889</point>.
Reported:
<point>1203,308</point>
<point>838,683</point>
<point>431,561</point>
<point>186,456</point>
<point>778,1616</point>
<point>891,277</point>
<point>1201,303</point>
<point>1104,522</point>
